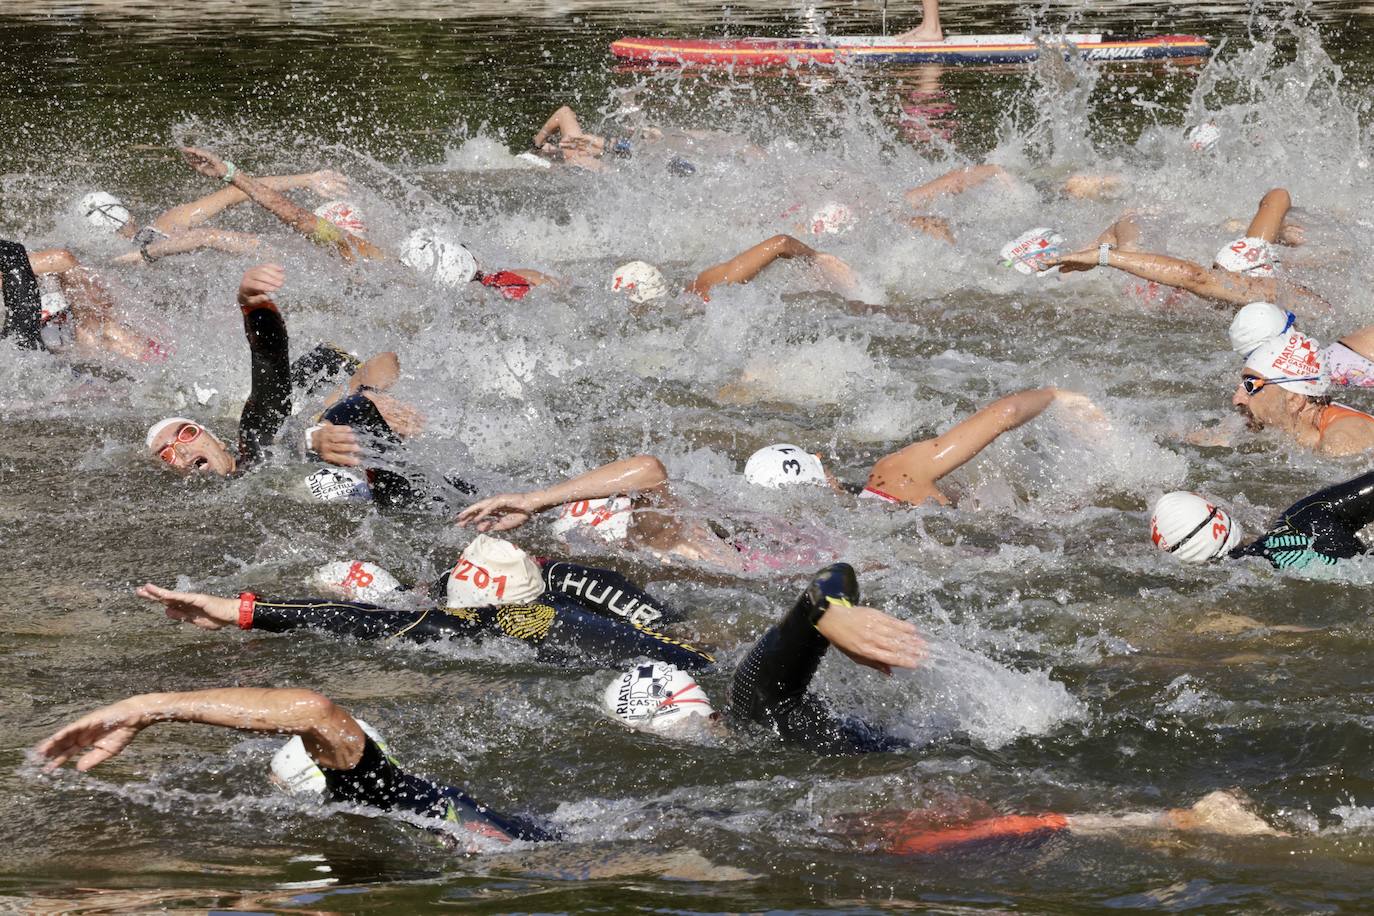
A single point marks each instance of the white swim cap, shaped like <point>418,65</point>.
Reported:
<point>1293,361</point>
<point>443,259</point>
<point>533,160</point>
<point>297,772</point>
<point>104,211</point>
<point>1255,324</point>
<point>1203,137</point>
<point>344,215</point>
<point>640,280</point>
<point>492,571</point>
<point>1192,529</point>
<point>161,426</point>
<point>53,305</point>
<point>782,464</point>
<point>1250,256</point>
<point>608,519</point>
<point>1028,251</point>
<point>656,696</point>
<point>832,219</point>
<point>356,580</point>
<point>339,485</point>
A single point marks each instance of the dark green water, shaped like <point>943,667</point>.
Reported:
<point>1070,674</point>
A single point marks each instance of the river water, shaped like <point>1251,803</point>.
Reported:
<point>1072,668</point>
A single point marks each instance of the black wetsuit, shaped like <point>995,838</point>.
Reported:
<point>269,400</point>
<point>23,300</point>
<point>376,780</point>
<point>770,685</point>
<point>1319,528</point>
<point>563,628</point>
<point>397,485</point>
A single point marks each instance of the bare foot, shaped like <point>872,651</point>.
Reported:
<point>922,33</point>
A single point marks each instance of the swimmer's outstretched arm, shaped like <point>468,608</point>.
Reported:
<point>52,261</point>
<point>955,182</point>
<point>910,474</point>
<point>331,736</point>
<point>748,264</point>
<point>1215,284</point>
<point>192,240</point>
<point>1267,222</point>
<point>507,511</point>
<point>325,183</point>
<point>315,228</point>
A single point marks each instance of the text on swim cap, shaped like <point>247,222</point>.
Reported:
<point>480,578</point>
<point>357,576</point>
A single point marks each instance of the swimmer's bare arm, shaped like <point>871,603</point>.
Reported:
<point>1269,215</point>
<point>325,183</point>
<point>910,474</point>
<point>1217,285</point>
<point>747,265</point>
<point>640,474</point>
<point>331,736</point>
<point>872,638</point>
<point>313,227</point>
<point>193,240</point>
<point>955,182</point>
<point>563,124</point>
<point>52,261</point>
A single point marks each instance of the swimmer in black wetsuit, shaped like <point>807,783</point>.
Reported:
<point>364,412</point>
<point>568,612</point>
<point>355,769</point>
<point>1321,528</point>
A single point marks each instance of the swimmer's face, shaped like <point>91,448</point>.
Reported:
<point>1260,408</point>
<point>190,448</point>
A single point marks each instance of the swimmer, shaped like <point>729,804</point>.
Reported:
<point>1322,528</point>
<point>908,476</point>
<point>54,304</point>
<point>180,230</point>
<point>1284,384</point>
<point>1243,271</point>
<point>567,611</point>
<point>644,283</point>
<point>331,752</point>
<point>1348,361</point>
<point>361,406</point>
<point>563,140</point>
<point>319,229</point>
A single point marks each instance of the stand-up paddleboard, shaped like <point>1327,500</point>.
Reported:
<point>955,49</point>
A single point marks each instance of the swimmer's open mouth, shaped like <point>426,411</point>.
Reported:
<point>200,463</point>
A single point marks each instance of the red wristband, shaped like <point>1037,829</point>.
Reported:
<point>246,600</point>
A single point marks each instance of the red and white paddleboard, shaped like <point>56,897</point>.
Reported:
<point>955,49</point>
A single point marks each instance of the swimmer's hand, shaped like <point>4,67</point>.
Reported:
<point>106,732</point>
<point>204,611</point>
<point>1074,261</point>
<point>872,638</point>
<point>328,183</point>
<point>504,512</point>
<point>204,162</point>
<point>1082,406</point>
<point>259,283</point>
<point>338,445</point>
<point>835,273</point>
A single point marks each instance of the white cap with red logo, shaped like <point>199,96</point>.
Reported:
<point>344,215</point>
<point>1191,528</point>
<point>494,572</point>
<point>1250,256</point>
<point>356,580</point>
<point>640,280</point>
<point>1293,362</point>
<point>655,696</point>
<point>608,519</point>
<point>832,219</point>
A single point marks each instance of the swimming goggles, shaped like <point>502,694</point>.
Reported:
<point>189,432</point>
<point>1253,383</point>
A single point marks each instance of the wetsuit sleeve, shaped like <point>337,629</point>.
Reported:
<point>321,366</point>
<point>770,687</point>
<point>574,632</point>
<point>1319,528</point>
<point>269,401</point>
<point>23,298</point>
<point>379,782</point>
<point>360,621</point>
<point>607,592</point>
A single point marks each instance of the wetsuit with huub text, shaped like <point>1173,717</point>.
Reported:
<point>563,631</point>
<point>377,781</point>
<point>1319,528</point>
<point>771,686</point>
